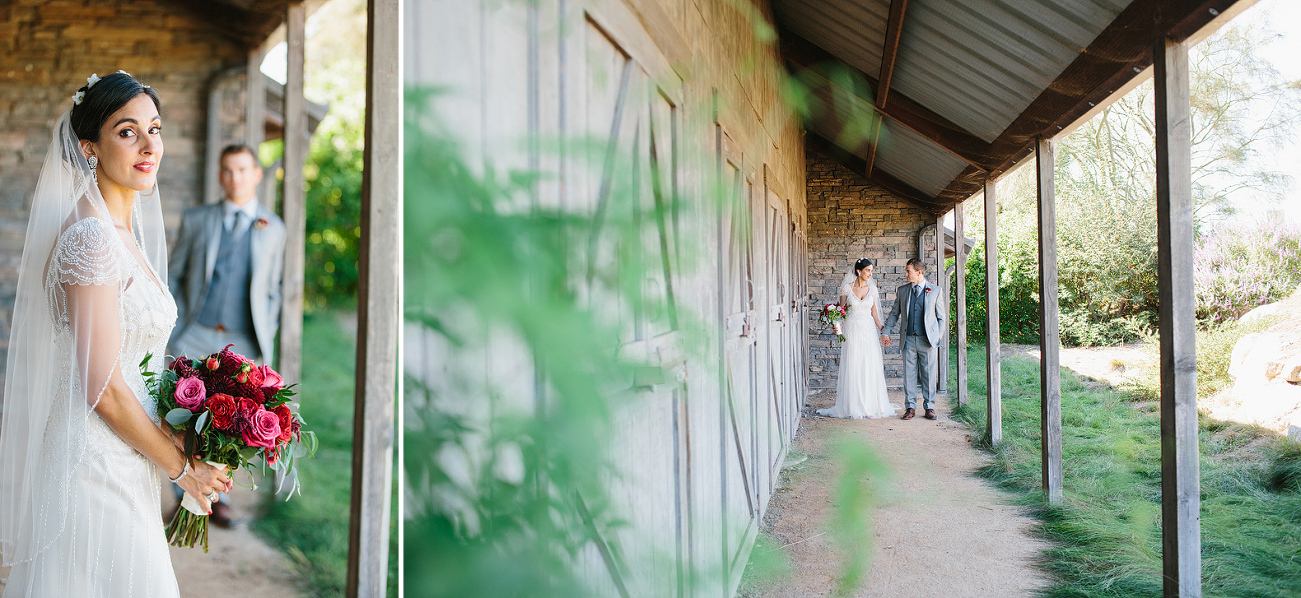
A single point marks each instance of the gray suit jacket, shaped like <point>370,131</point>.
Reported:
<point>936,309</point>
<point>195,254</point>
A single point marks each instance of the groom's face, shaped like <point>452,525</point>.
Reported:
<point>914,276</point>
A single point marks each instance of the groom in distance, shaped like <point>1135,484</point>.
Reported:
<point>919,309</point>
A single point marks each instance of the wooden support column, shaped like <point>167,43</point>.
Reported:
<point>378,308</point>
<point>941,279</point>
<point>1050,342</point>
<point>994,350</point>
<point>1180,478</point>
<point>255,101</point>
<point>294,211</point>
<point>960,295</point>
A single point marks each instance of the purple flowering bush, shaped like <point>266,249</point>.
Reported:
<point>1241,267</point>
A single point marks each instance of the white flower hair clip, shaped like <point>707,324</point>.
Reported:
<point>78,97</point>
<point>92,80</point>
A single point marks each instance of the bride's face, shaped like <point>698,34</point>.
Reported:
<point>130,147</point>
<point>865,273</point>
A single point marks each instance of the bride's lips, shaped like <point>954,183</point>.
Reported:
<point>146,166</point>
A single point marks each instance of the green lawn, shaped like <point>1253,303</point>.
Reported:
<point>1106,533</point>
<point>312,529</point>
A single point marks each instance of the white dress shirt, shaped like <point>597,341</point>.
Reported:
<point>230,208</point>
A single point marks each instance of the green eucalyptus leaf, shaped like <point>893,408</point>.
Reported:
<point>178,416</point>
<point>202,422</point>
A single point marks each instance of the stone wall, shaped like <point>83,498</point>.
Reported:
<point>851,218</point>
<point>50,47</point>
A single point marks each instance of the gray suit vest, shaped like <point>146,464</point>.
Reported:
<point>226,303</point>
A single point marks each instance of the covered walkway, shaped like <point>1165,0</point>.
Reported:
<point>936,529</point>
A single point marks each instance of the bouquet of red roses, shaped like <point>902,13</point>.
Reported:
<point>832,315</point>
<point>231,412</point>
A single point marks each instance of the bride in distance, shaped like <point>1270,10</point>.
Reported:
<point>81,448</point>
<point>860,387</point>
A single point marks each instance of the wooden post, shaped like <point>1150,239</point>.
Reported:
<point>255,100</point>
<point>1180,483</point>
<point>994,350</point>
<point>960,294</point>
<point>1050,342</point>
<point>294,210</point>
<point>942,280</point>
<point>378,308</point>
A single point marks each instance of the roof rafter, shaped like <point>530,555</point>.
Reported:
<point>803,54</point>
<point>889,52</point>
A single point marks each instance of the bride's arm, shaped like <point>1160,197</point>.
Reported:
<point>876,315</point>
<point>93,317</point>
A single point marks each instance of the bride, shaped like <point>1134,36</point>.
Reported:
<point>80,445</point>
<point>860,387</point>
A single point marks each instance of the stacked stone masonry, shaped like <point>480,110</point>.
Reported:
<point>851,218</point>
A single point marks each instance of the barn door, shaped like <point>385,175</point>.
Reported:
<point>779,341</point>
<point>630,112</point>
<point>737,293</point>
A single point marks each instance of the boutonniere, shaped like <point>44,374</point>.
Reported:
<point>926,290</point>
<point>261,223</point>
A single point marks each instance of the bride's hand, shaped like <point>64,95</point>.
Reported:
<point>204,480</point>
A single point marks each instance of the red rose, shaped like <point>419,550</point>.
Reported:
<point>212,363</point>
<point>286,422</point>
<point>263,429</point>
<point>222,407</point>
<point>270,378</point>
<point>189,393</point>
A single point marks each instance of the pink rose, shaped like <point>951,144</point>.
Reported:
<point>263,429</point>
<point>270,379</point>
<point>190,393</point>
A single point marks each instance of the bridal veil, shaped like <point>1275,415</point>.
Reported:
<point>62,350</point>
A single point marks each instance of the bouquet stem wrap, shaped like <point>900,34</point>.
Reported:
<point>190,524</point>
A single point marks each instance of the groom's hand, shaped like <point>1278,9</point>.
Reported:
<point>885,340</point>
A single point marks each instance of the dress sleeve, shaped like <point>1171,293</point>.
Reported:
<point>87,275</point>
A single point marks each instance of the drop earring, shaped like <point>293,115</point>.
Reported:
<point>94,174</point>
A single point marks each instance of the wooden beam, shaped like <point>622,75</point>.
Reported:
<point>889,52</point>
<point>255,109</point>
<point>960,295</point>
<point>893,28</point>
<point>294,210</point>
<point>378,308</point>
<point>1120,53</point>
<point>1180,484</point>
<point>942,279</point>
<point>994,350</point>
<point>1050,371</point>
<point>802,54</point>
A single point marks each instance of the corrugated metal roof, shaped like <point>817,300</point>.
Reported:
<point>853,30</point>
<point>980,63</point>
<point>904,154</point>
<point>912,159</point>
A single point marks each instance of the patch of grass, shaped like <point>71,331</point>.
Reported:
<point>1106,534</point>
<point>312,529</point>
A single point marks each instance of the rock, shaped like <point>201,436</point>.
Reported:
<point>1266,371</point>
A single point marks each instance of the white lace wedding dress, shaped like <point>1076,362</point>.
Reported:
<point>110,543</point>
<point>860,387</point>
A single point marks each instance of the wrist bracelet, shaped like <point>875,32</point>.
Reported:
<point>184,472</point>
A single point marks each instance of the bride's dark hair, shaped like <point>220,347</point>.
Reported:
<point>101,100</point>
<point>860,264</point>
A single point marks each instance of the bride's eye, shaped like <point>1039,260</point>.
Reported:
<point>126,133</point>
<point>155,129</point>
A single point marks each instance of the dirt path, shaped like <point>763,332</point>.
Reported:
<point>938,530</point>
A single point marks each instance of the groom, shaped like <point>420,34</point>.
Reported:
<point>225,274</point>
<point>919,308</point>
